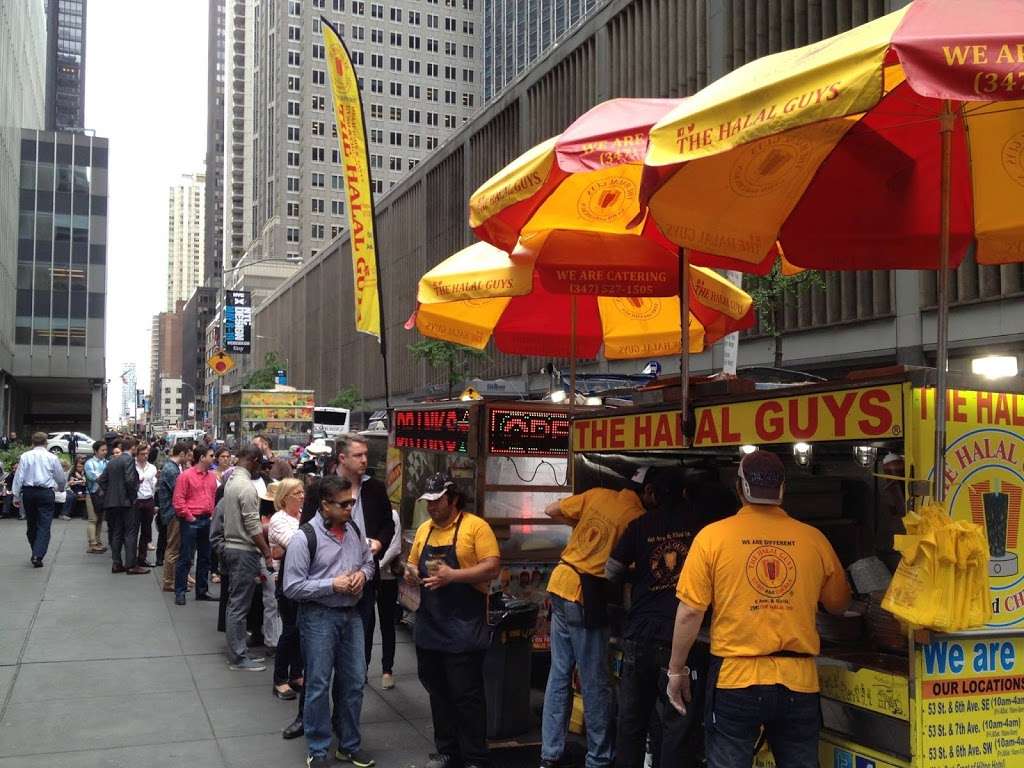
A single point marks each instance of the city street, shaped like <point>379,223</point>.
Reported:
<point>98,670</point>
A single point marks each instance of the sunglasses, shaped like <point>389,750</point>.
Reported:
<point>347,504</point>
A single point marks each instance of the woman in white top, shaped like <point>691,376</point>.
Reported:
<point>288,498</point>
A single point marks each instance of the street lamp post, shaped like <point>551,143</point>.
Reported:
<point>184,415</point>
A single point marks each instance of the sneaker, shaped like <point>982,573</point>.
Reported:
<point>248,665</point>
<point>257,659</point>
<point>358,759</point>
<point>317,761</point>
<point>387,681</point>
<point>65,517</point>
<point>440,761</point>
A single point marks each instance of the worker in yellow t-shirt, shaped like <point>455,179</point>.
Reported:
<point>454,559</point>
<point>764,573</point>
<point>579,628</point>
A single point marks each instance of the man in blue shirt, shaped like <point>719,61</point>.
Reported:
<point>326,566</point>
<point>38,477</point>
<point>94,506</point>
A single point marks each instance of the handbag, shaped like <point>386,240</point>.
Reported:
<point>595,597</point>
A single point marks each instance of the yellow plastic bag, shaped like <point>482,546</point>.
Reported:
<point>942,579</point>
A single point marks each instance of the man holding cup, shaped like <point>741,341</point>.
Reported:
<point>454,558</point>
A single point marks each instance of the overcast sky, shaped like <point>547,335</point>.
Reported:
<point>146,92</point>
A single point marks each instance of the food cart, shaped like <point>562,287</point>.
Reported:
<point>510,459</point>
<point>284,416</point>
<point>889,697</point>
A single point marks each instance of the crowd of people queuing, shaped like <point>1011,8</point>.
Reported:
<point>307,563</point>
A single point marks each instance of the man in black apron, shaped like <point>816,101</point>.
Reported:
<point>454,558</point>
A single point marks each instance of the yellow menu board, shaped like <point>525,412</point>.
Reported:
<point>972,702</point>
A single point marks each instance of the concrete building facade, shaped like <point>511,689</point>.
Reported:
<point>60,310</point>
<point>518,32</point>
<point>198,312</point>
<point>22,101</point>
<point>186,215</point>
<point>213,241</point>
<point>635,48</point>
<point>165,355</point>
<point>129,387</point>
<point>65,65</point>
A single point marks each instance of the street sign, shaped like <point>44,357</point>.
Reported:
<point>238,321</point>
<point>220,363</point>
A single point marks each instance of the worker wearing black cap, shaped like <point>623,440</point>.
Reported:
<point>454,558</point>
<point>764,574</point>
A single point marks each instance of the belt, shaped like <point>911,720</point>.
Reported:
<point>41,487</point>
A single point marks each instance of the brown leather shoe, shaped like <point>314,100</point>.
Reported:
<point>117,569</point>
<point>168,589</point>
<point>137,571</point>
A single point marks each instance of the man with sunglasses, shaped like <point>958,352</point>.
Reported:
<point>325,570</point>
<point>765,574</point>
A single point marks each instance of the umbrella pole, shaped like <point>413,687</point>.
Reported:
<point>684,342</point>
<point>572,354</point>
<point>942,314</point>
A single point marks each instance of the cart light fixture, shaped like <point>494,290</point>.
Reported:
<point>865,455</point>
<point>802,454</point>
<point>745,449</point>
<point>995,366</point>
<point>593,401</point>
<point>559,396</point>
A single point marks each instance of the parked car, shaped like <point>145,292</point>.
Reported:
<point>57,442</point>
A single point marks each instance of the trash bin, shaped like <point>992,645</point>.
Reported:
<point>507,669</point>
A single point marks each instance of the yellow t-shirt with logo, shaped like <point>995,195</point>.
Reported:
<point>599,518</point>
<point>476,542</point>
<point>764,573</point>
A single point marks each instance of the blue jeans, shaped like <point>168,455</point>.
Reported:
<point>195,536</point>
<point>38,505</point>
<point>791,723</point>
<point>572,645</point>
<point>332,644</point>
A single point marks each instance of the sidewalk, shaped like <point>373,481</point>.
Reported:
<point>101,671</point>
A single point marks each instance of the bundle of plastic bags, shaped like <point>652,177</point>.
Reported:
<point>942,579</point>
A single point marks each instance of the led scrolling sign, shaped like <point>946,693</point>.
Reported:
<point>515,432</point>
<point>445,430</point>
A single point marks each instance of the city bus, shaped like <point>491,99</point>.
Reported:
<point>330,421</point>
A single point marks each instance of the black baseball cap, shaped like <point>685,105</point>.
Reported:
<point>437,486</point>
<point>762,477</point>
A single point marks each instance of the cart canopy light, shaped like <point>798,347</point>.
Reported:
<point>865,454</point>
<point>802,454</point>
<point>745,449</point>
<point>995,366</point>
<point>559,396</point>
<point>593,401</point>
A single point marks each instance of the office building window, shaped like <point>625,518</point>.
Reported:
<point>377,161</point>
<point>316,205</point>
<point>294,83</point>
<point>467,27</point>
<point>294,109</point>
<point>395,163</point>
<point>293,160</point>
<point>432,21</point>
<point>294,59</point>
<point>319,77</point>
<point>319,3</point>
<point>335,156</point>
<point>396,39</point>
<point>396,15</point>
<point>467,99</point>
<point>432,69</point>
<point>450,24</point>
<point>293,209</point>
<point>376,85</point>
<point>450,48</point>
<point>358,8</point>
<point>468,52</point>
<point>414,116</point>
<point>316,231</point>
<point>377,36</point>
<point>413,162</point>
<point>414,91</point>
<point>467,5</point>
<point>449,121</point>
<point>377,111</point>
<point>295,33</point>
<point>316,154</point>
<point>376,136</point>
<point>358,32</point>
<point>396,88</point>
<point>451,97</point>
<point>293,234</point>
<point>395,138</point>
<point>316,26</point>
<point>414,66</point>
<point>432,45</point>
<point>414,140</point>
<point>335,231</point>
<point>432,119</point>
<point>414,18</point>
<point>339,5</point>
<point>395,64</point>
<point>395,114</point>
<point>378,187</point>
<point>467,75</point>
<point>377,10</point>
<point>294,184</point>
<point>451,73</point>
<point>317,180</point>
<point>319,52</point>
<point>318,103</point>
<point>431,142</point>
<point>318,128</point>
<point>432,94</point>
<point>377,60</point>
<point>414,42</point>
<point>357,58</point>
<point>294,133</point>
<point>336,181</point>
<point>337,208</point>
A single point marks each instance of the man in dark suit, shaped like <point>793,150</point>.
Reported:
<point>119,486</point>
<point>372,514</point>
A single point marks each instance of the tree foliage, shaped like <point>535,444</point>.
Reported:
<point>349,397</point>
<point>265,377</point>
<point>769,295</point>
<point>453,360</point>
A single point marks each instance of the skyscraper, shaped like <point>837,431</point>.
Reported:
<point>186,213</point>
<point>22,87</point>
<point>518,32</point>
<point>418,66</point>
<point>65,65</point>
<point>128,392</point>
<point>213,243</point>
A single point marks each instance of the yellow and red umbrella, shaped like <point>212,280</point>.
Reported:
<point>483,292</point>
<point>896,145</point>
<point>833,149</point>
<point>585,181</point>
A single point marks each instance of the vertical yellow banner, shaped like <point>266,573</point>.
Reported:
<point>348,109</point>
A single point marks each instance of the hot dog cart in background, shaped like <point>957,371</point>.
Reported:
<point>858,454</point>
<point>510,459</point>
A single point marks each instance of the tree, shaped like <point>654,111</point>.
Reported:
<point>453,359</point>
<point>265,377</point>
<point>349,397</point>
<point>769,295</point>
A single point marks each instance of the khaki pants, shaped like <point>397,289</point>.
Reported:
<point>94,529</point>
<point>171,553</point>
